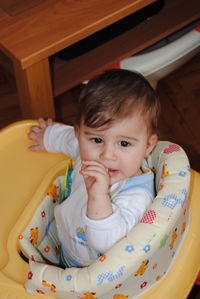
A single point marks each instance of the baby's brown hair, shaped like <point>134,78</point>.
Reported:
<point>116,94</point>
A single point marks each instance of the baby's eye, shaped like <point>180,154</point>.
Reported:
<point>97,140</point>
<point>124,143</point>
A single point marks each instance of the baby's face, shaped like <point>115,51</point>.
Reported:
<point>120,148</point>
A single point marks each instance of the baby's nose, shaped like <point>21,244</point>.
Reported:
<point>108,153</point>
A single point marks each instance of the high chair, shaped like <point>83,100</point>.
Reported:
<point>159,258</point>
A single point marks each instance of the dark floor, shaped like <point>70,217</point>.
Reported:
<point>180,118</point>
<point>180,100</point>
<point>195,293</point>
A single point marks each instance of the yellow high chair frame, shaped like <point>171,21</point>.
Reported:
<point>21,173</point>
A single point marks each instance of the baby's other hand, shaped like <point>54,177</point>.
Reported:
<point>36,133</point>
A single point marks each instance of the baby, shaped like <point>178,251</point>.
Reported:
<point>111,190</point>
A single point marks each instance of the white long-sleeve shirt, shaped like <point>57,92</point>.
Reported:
<point>83,239</point>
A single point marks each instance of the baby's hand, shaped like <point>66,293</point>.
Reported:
<point>96,178</point>
<point>36,133</point>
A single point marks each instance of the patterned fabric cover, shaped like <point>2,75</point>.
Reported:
<point>132,265</point>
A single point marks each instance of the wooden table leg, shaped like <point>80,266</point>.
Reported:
<point>35,90</point>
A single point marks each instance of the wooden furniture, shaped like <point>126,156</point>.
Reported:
<point>31,38</point>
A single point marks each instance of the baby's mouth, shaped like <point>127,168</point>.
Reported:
<point>112,172</point>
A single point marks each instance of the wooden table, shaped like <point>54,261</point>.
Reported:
<point>31,38</point>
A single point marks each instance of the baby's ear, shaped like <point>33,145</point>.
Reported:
<point>152,140</point>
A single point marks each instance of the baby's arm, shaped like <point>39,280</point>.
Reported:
<point>128,209</point>
<point>36,133</point>
<point>96,179</point>
<point>54,138</point>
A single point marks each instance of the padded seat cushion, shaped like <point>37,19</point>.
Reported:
<point>133,264</point>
